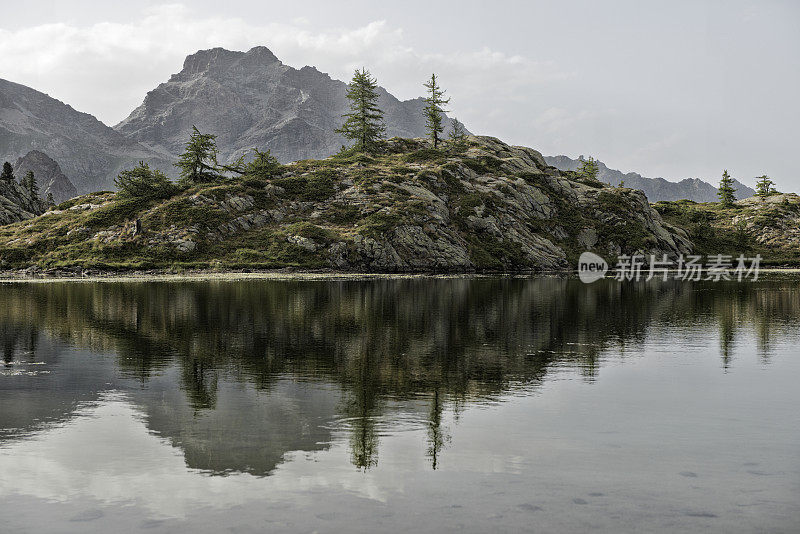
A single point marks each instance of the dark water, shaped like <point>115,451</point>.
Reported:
<point>431,405</point>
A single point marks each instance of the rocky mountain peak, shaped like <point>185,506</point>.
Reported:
<point>252,100</point>
<point>220,61</point>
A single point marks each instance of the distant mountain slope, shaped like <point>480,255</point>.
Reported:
<point>251,99</point>
<point>16,204</point>
<point>48,175</point>
<point>89,152</point>
<point>655,188</point>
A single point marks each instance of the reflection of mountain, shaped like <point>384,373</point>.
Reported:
<point>248,430</point>
<point>25,372</point>
<point>237,374</point>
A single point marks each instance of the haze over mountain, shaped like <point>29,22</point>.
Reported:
<point>655,188</point>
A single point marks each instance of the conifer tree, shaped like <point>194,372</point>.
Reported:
<point>458,135</point>
<point>198,163</point>
<point>433,109</point>
<point>29,183</point>
<point>50,200</point>
<point>726,190</point>
<point>8,173</point>
<point>144,182</point>
<point>588,168</point>
<point>263,165</point>
<point>364,123</point>
<point>764,187</point>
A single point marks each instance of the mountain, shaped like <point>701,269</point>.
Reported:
<point>16,204</point>
<point>488,207</point>
<point>89,153</point>
<point>48,175</point>
<point>252,100</point>
<point>655,188</point>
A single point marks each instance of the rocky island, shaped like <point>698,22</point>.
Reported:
<point>403,208</point>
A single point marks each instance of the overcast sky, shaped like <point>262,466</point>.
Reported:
<point>673,89</point>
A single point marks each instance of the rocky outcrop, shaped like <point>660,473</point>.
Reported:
<point>655,189</point>
<point>251,99</point>
<point>48,175</point>
<point>772,222</point>
<point>486,207</point>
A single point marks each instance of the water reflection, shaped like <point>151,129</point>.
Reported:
<point>238,374</point>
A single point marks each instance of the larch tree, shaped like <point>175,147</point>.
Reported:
<point>29,183</point>
<point>458,135</point>
<point>8,173</point>
<point>364,123</point>
<point>433,109</point>
<point>588,168</point>
<point>198,163</point>
<point>765,187</point>
<point>144,182</point>
<point>726,190</point>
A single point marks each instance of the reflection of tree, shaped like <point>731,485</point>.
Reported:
<point>727,334</point>
<point>200,383</point>
<point>361,409</point>
<point>446,339</point>
<point>437,436</point>
<point>18,338</point>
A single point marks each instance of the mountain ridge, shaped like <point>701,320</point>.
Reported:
<point>656,189</point>
<point>89,152</point>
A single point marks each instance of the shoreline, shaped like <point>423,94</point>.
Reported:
<point>284,274</point>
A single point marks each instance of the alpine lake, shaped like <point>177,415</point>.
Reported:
<point>419,404</point>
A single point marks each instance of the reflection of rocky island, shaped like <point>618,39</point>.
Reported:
<point>237,374</point>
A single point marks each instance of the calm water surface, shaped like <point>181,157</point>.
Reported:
<point>431,405</point>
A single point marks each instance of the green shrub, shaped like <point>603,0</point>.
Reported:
<point>144,182</point>
<point>314,187</point>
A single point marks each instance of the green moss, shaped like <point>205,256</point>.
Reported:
<point>118,211</point>
<point>315,187</point>
<point>490,253</point>
<point>377,224</point>
<point>484,164</point>
<point>310,231</point>
<point>183,212</point>
<point>343,214</point>
<point>426,155</point>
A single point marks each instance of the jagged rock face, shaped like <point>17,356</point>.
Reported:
<point>655,189</point>
<point>48,175</point>
<point>252,100</point>
<point>16,204</point>
<point>90,153</point>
